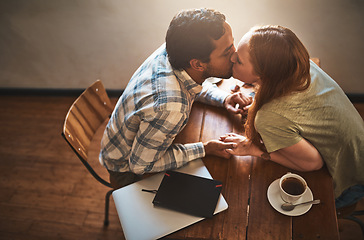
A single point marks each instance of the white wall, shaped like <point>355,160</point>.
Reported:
<point>71,43</point>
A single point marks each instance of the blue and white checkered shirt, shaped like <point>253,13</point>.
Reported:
<point>153,109</point>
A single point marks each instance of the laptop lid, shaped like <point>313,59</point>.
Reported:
<point>140,220</point>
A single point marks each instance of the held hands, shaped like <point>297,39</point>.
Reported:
<point>237,103</point>
<point>218,148</point>
<point>243,146</point>
<point>232,144</point>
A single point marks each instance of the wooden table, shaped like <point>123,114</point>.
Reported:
<point>245,183</point>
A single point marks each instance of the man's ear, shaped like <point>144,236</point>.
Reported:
<point>197,65</point>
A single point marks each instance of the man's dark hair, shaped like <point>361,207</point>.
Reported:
<point>190,36</point>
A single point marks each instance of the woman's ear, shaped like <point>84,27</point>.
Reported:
<point>197,65</point>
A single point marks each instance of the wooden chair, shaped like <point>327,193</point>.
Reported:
<point>350,213</point>
<point>88,115</point>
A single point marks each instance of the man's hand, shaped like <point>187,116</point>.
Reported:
<point>218,148</point>
<point>237,102</point>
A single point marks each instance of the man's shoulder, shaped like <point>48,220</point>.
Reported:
<point>155,66</point>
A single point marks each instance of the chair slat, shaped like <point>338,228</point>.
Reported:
<point>85,116</point>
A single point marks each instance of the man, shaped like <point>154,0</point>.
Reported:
<point>156,104</point>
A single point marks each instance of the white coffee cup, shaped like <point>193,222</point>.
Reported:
<point>292,187</point>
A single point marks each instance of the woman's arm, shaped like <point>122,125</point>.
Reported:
<point>302,156</point>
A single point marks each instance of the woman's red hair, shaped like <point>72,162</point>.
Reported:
<point>283,64</point>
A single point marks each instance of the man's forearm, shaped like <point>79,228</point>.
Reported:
<point>174,157</point>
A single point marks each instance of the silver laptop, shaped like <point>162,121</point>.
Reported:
<point>140,220</point>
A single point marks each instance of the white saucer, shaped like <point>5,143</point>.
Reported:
<point>276,201</point>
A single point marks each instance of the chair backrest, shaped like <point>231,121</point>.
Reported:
<point>88,112</point>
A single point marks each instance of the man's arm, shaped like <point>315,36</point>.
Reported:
<point>234,103</point>
<point>212,95</point>
<point>153,149</point>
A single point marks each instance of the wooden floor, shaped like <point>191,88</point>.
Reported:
<point>45,192</point>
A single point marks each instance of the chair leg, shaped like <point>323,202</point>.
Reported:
<point>358,221</point>
<point>358,213</point>
<point>107,201</point>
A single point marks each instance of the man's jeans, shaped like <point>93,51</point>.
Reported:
<point>350,196</point>
<point>121,179</point>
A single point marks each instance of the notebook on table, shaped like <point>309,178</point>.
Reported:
<point>188,193</point>
<point>141,220</point>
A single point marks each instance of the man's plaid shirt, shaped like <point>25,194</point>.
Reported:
<point>153,109</point>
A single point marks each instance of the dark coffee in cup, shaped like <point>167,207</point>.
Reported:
<point>293,186</point>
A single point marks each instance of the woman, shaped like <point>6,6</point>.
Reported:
<point>300,118</point>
